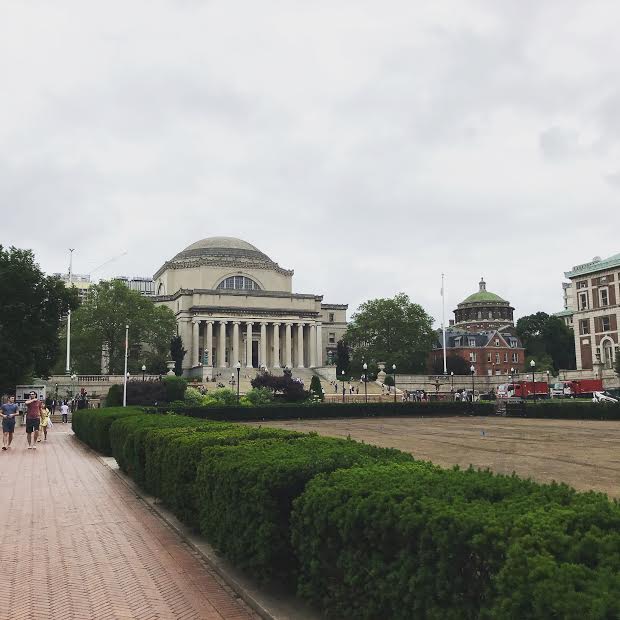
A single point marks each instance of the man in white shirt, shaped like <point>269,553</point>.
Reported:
<point>64,410</point>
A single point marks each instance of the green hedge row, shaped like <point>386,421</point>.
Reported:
<point>336,410</point>
<point>92,426</point>
<point>564,409</point>
<point>367,532</point>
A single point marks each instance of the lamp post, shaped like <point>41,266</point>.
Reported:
<point>472,369</point>
<point>342,376</point>
<point>126,373</point>
<point>73,378</point>
<point>548,386</point>
<point>532,366</point>
<point>394,375</point>
<point>452,383</point>
<point>143,371</point>
<point>512,380</point>
<point>365,367</point>
<point>238,367</point>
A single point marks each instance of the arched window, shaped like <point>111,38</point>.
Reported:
<point>160,289</point>
<point>239,283</point>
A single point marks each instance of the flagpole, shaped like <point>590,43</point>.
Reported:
<point>125,374</point>
<point>68,365</point>
<point>443,325</point>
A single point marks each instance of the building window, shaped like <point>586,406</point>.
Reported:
<point>490,314</point>
<point>584,326</point>
<point>506,357</point>
<point>604,293</point>
<point>239,283</point>
<point>331,317</point>
<point>331,338</point>
<point>497,342</point>
<point>582,284</point>
<point>513,343</point>
<point>497,358</point>
<point>457,342</point>
<point>515,358</point>
<point>472,342</point>
<point>604,323</point>
<point>583,301</point>
<point>488,357</point>
<point>472,357</point>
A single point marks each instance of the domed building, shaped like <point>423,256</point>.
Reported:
<point>235,304</point>
<point>483,335</point>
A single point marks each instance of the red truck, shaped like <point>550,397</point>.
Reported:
<point>528,389</point>
<point>579,388</point>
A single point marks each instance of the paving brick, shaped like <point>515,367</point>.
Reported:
<point>77,543</point>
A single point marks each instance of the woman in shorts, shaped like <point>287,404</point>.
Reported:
<point>45,420</point>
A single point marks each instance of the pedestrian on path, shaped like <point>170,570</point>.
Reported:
<point>9,412</point>
<point>33,419</point>
<point>45,421</point>
<point>64,410</point>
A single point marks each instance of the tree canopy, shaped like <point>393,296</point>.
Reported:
<point>395,331</point>
<point>32,306</point>
<point>99,325</point>
<point>454,363</point>
<point>548,341</point>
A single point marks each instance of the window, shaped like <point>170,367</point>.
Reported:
<point>604,323</point>
<point>497,358</point>
<point>513,343</point>
<point>497,342</point>
<point>582,284</point>
<point>331,338</point>
<point>472,342</point>
<point>331,317</point>
<point>490,314</point>
<point>488,357</point>
<point>515,358</point>
<point>584,326</point>
<point>457,342</point>
<point>583,301</point>
<point>604,293</point>
<point>472,357</point>
<point>506,357</point>
<point>239,283</point>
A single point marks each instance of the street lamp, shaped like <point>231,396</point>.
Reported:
<point>342,376</point>
<point>512,380</point>
<point>238,367</point>
<point>143,371</point>
<point>548,386</point>
<point>472,369</point>
<point>452,383</point>
<point>394,375</point>
<point>532,366</point>
<point>365,367</point>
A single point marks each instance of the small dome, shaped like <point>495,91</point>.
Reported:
<point>483,295</point>
<point>222,247</point>
<point>231,243</point>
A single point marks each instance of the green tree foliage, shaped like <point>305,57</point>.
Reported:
<point>316,390</point>
<point>454,363</point>
<point>31,310</point>
<point>291,389</point>
<point>343,361</point>
<point>177,353</point>
<point>548,340</point>
<point>99,325</point>
<point>395,331</point>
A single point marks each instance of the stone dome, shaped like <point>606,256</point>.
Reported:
<point>483,310</point>
<point>483,296</point>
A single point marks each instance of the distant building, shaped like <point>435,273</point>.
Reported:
<point>81,282</point>
<point>143,285</point>
<point>567,314</point>
<point>483,335</point>
<point>594,303</point>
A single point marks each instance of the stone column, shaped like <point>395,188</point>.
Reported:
<point>221,345</point>
<point>263,344</point>
<point>195,341</point>
<point>248,344</point>
<point>288,346</point>
<point>276,345</point>
<point>235,344</point>
<point>312,345</point>
<point>300,345</point>
<point>209,344</point>
<point>319,344</point>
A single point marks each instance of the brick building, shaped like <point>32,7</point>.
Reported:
<point>483,335</point>
<point>595,308</point>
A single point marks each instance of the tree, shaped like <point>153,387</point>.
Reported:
<point>617,366</point>
<point>99,327</point>
<point>546,337</point>
<point>343,360</point>
<point>316,390</point>
<point>31,311</point>
<point>177,353</point>
<point>395,331</point>
<point>454,363</point>
<point>292,390</point>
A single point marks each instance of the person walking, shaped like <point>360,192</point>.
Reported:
<point>64,411</point>
<point>9,412</point>
<point>45,421</point>
<point>33,419</point>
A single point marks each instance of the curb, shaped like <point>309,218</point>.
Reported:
<point>269,605</point>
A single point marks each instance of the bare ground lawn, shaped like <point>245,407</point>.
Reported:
<point>584,454</point>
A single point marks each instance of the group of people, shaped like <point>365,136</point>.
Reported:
<point>38,420</point>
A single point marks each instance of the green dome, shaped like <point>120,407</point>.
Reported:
<point>483,296</point>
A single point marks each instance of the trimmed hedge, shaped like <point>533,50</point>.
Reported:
<point>337,410</point>
<point>245,494</point>
<point>92,426</point>
<point>564,409</point>
<point>414,541</point>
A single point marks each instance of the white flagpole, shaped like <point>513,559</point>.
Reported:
<point>443,324</point>
<point>125,373</point>
<point>68,365</point>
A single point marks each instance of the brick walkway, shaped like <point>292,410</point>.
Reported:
<point>77,543</point>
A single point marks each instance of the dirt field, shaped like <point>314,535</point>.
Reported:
<point>584,454</point>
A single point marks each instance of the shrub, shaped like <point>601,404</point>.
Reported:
<point>146,393</point>
<point>246,491</point>
<point>411,540</point>
<point>257,397</point>
<point>92,426</point>
<point>316,390</point>
<point>193,397</point>
<point>175,388</point>
<point>291,389</point>
<point>220,397</point>
<point>565,409</point>
<point>389,380</point>
<point>114,397</point>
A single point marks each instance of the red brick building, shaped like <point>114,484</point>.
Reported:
<point>483,335</point>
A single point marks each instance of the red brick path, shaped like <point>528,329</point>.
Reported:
<point>77,543</point>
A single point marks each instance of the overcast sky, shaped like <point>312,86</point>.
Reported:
<point>368,145</point>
